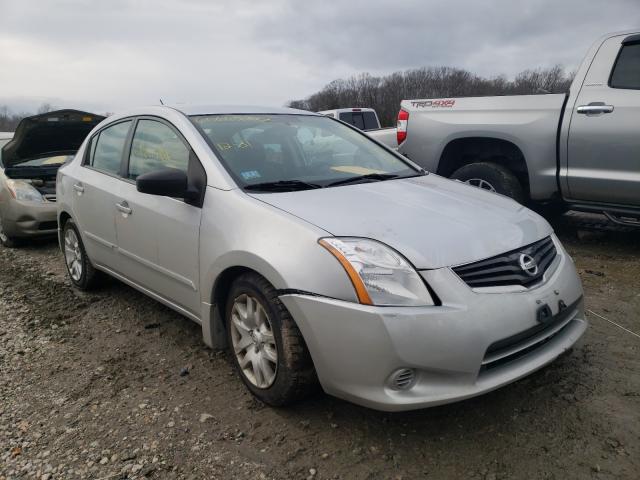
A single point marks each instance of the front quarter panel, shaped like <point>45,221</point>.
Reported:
<point>240,231</point>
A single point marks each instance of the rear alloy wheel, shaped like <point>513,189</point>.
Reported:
<point>81,272</point>
<point>265,344</point>
<point>491,177</point>
<point>481,183</point>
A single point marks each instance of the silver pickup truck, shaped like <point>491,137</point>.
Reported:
<point>579,151</point>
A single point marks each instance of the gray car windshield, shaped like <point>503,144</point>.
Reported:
<point>297,152</point>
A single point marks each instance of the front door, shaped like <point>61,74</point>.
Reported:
<point>604,137</point>
<point>158,236</point>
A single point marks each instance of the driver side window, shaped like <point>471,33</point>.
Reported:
<point>156,146</point>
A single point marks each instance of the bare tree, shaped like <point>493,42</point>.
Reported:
<point>385,93</point>
<point>9,120</point>
<point>45,108</point>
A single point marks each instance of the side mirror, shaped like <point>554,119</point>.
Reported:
<point>168,182</point>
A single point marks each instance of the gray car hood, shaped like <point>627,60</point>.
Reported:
<point>53,133</point>
<point>432,221</point>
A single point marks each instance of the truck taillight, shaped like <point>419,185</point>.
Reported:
<point>403,119</point>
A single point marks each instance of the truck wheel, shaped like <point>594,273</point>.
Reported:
<point>81,272</point>
<point>492,177</point>
<point>265,344</point>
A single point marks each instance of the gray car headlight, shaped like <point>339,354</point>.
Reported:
<point>21,190</point>
<point>379,274</point>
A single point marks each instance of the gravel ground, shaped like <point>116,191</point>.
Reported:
<point>112,385</point>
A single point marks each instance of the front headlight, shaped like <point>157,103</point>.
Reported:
<point>21,190</point>
<point>380,275</point>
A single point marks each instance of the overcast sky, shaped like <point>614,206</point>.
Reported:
<point>112,54</point>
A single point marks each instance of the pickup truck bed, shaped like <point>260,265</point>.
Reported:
<point>530,121</point>
<point>580,150</point>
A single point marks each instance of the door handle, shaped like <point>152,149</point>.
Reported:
<point>78,188</point>
<point>595,108</point>
<point>124,208</point>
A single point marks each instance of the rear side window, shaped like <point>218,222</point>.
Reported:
<point>156,146</point>
<point>107,148</point>
<point>626,72</point>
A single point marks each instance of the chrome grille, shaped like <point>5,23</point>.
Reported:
<point>506,269</point>
<point>50,197</point>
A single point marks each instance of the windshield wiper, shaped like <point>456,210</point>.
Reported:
<point>360,178</point>
<point>282,186</point>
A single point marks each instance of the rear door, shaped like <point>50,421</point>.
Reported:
<point>604,136</point>
<point>158,236</point>
<point>95,186</point>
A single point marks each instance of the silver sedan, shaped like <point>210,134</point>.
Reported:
<point>316,254</point>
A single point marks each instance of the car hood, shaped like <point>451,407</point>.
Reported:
<point>432,221</point>
<point>54,133</point>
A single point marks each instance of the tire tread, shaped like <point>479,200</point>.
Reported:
<point>301,378</point>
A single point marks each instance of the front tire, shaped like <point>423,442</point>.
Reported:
<point>492,177</point>
<point>6,240</point>
<point>266,346</point>
<point>79,268</point>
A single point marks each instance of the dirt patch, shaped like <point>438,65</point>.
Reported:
<point>114,385</point>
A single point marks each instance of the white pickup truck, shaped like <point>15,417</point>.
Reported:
<point>579,151</point>
<point>366,119</point>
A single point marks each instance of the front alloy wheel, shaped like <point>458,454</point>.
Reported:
<point>265,343</point>
<point>5,240</point>
<point>253,342</point>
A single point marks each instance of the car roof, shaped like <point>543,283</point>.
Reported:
<point>239,109</point>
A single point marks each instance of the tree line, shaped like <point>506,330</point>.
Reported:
<point>386,92</point>
<point>10,120</point>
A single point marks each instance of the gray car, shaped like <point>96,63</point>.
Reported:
<point>316,254</point>
<point>29,160</point>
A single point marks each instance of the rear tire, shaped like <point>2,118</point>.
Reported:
<point>492,177</point>
<point>265,344</point>
<point>79,268</point>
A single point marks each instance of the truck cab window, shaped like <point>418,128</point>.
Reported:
<point>626,72</point>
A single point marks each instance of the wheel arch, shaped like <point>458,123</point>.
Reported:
<point>213,323</point>
<point>63,216</point>
<point>465,151</point>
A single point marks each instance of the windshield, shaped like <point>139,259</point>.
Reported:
<point>260,149</point>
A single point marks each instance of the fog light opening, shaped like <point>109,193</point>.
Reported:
<point>402,379</point>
